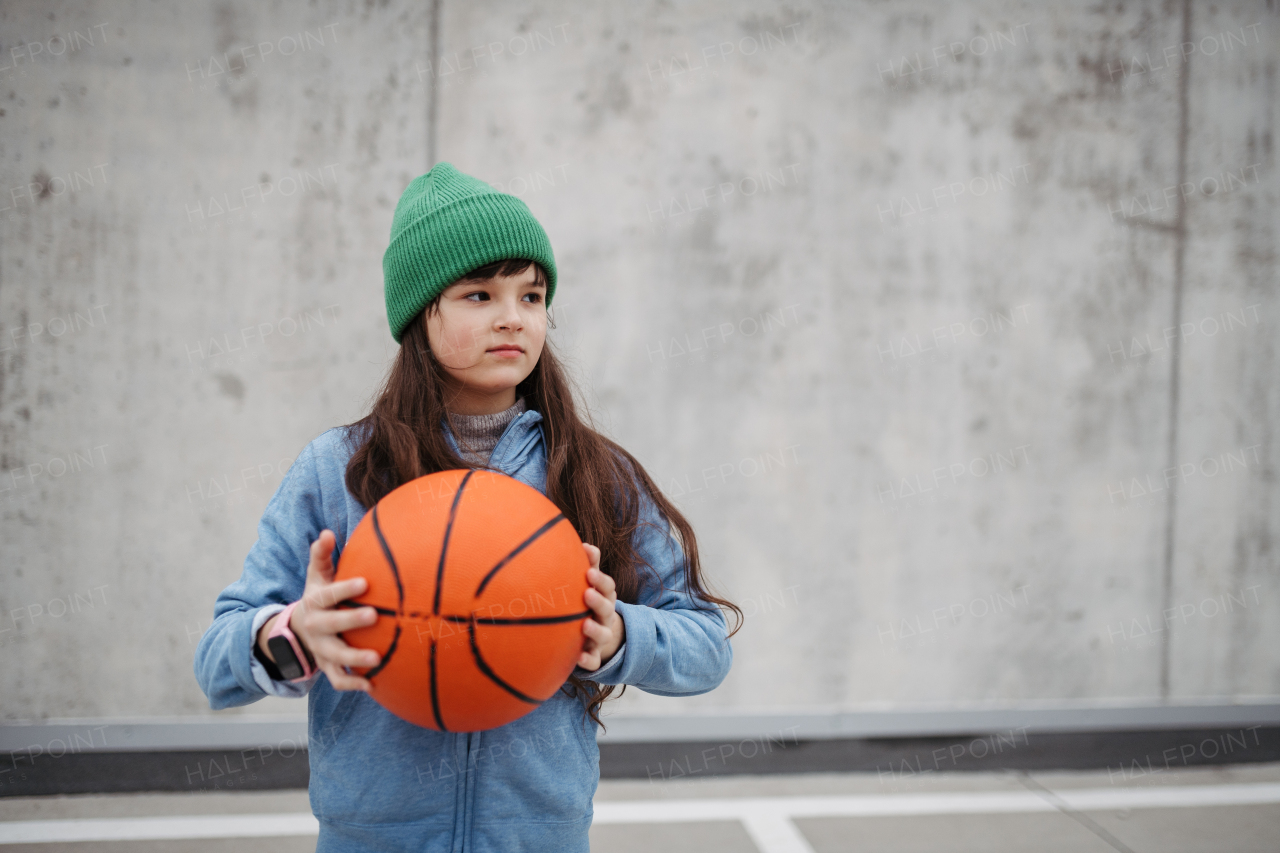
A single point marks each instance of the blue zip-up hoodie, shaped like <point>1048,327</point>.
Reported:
<point>381,784</point>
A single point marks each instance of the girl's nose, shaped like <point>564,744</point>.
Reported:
<point>509,318</point>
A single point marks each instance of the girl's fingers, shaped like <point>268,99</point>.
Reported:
<point>602,582</point>
<point>347,656</point>
<point>320,630</point>
<point>331,651</point>
<point>341,681</point>
<point>319,620</point>
<point>323,596</point>
<point>340,619</point>
<point>596,632</point>
<point>601,606</point>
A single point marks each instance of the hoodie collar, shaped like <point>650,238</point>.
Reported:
<point>518,441</point>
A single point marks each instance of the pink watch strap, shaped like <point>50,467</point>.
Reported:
<point>281,629</point>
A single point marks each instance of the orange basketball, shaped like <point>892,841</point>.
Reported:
<point>478,581</point>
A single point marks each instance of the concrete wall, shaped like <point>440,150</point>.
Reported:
<point>878,292</point>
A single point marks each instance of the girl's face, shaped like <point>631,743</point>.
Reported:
<point>488,335</point>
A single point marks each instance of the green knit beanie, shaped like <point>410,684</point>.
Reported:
<point>447,224</point>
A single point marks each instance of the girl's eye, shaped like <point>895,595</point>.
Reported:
<point>484,297</point>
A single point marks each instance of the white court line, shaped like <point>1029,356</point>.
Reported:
<point>775,833</point>
<point>885,805</point>
<point>766,819</point>
<point>156,828</point>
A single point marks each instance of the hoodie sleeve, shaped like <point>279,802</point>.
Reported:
<point>674,645</point>
<point>275,573</point>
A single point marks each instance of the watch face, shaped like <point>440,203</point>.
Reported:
<point>286,661</point>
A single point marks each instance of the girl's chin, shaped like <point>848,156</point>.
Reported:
<point>497,377</point>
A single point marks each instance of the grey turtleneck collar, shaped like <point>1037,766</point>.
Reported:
<point>480,433</point>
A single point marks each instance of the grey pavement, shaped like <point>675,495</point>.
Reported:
<point>1251,827</point>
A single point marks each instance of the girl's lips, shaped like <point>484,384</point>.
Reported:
<point>507,353</point>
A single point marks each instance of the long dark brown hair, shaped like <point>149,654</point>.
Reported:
<point>590,478</point>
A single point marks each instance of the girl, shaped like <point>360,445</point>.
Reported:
<point>469,275</point>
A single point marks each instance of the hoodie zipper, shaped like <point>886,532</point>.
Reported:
<point>469,793</point>
<point>464,812</point>
<point>461,822</point>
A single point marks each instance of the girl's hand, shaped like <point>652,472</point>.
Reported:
<point>604,629</point>
<point>317,621</point>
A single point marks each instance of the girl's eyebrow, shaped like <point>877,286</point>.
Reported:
<point>485,283</point>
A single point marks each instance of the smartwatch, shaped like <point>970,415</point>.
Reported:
<point>292,658</point>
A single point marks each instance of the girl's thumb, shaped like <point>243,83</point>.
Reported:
<point>321,562</point>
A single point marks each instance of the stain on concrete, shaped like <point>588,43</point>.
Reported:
<point>41,179</point>
<point>224,19</point>
<point>230,385</point>
<point>611,97</point>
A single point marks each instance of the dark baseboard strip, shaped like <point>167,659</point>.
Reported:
<point>1126,756</point>
<point>136,772</point>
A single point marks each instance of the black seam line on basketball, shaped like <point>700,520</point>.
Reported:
<point>488,620</point>
<point>386,550</point>
<point>395,641</point>
<point>515,620</point>
<point>493,676</point>
<point>435,693</point>
<point>444,546</point>
<point>525,544</point>
<point>385,611</point>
